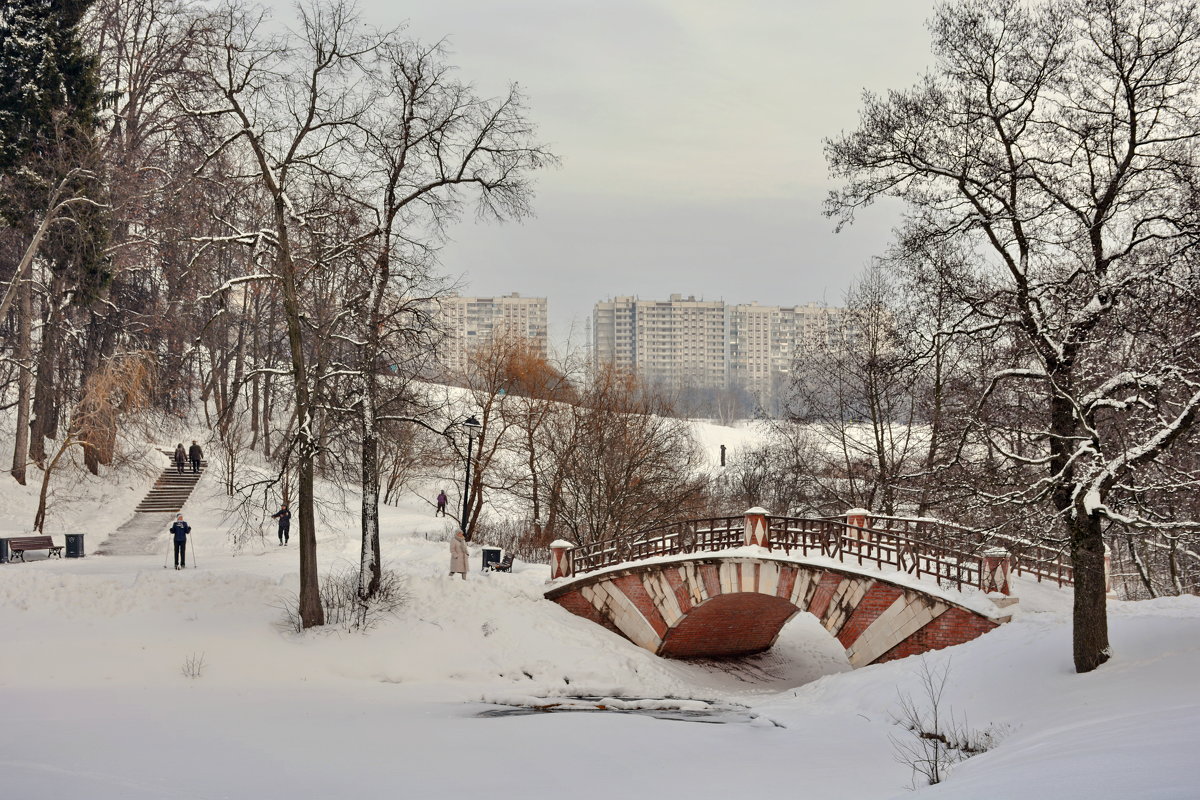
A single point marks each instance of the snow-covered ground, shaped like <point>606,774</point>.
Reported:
<point>96,704</point>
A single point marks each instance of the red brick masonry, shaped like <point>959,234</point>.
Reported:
<point>683,609</point>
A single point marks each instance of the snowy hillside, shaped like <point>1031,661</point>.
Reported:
<point>97,704</point>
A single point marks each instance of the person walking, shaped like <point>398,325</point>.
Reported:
<point>458,555</point>
<point>285,523</point>
<point>195,455</point>
<point>180,457</point>
<point>441,503</point>
<point>180,531</point>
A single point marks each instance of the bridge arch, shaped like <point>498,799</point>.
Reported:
<point>707,604</point>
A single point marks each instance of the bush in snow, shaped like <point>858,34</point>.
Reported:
<point>516,535</point>
<point>193,666</point>
<point>938,738</point>
<point>342,605</point>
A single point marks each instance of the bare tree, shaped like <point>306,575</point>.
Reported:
<point>1058,142</point>
<point>617,461</point>
<point>292,102</point>
<point>122,387</point>
<point>431,144</point>
<point>854,390</point>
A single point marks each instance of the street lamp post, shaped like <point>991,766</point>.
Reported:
<point>471,426</point>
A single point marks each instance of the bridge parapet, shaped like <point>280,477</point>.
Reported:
<point>948,554</point>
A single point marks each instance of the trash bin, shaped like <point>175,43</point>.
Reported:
<point>3,551</point>
<point>492,556</point>
<point>74,545</point>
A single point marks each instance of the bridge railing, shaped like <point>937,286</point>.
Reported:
<point>882,548</point>
<point>952,555</point>
<point>1040,561</point>
<point>685,536</point>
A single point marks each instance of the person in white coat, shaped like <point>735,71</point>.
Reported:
<point>458,555</point>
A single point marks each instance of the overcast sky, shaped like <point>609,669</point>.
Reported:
<point>690,135</point>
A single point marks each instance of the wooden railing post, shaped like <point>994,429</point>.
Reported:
<point>561,563</point>
<point>757,530</point>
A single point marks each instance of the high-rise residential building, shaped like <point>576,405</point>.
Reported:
<point>689,343</point>
<point>473,322</point>
<point>677,343</point>
<point>764,341</point>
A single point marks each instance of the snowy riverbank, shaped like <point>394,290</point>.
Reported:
<point>96,704</point>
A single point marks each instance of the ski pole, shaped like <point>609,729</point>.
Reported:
<point>167,555</point>
<point>193,541</point>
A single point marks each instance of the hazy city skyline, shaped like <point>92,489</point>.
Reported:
<point>690,136</point>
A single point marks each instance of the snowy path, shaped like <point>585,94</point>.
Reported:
<point>137,537</point>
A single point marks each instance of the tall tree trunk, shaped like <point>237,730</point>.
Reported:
<point>1140,566</point>
<point>371,571</point>
<point>96,442</point>
<point>1090,638</point>
<point>255,380</point>
<point>266,415</point>
<point>311,612</point>
<point>935,427</point>
<point>44,424</point>
<point>39,517</point>
<point>535,489</point>
<point>24,380</point>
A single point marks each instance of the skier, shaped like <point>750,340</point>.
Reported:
<point>180,529</point>
<point>441,503</point>
<point>285,523</point>
<point>458,555</point>
<point>180,457</point>
<point>195,455</point>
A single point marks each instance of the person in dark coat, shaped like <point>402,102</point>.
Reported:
<point>195,455</point>
<point>180,458</point>
<point>285,523</point>
<point>180,531</point>
<point>441,503</point>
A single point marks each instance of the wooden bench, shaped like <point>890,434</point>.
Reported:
<point>19,545</point>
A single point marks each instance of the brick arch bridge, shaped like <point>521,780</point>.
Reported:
<point>727,586</point>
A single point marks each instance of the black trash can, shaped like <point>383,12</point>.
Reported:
<point>74,545</point>
<point>491,557</point>
<point>3,551</point>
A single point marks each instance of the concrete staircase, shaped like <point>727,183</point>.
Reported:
<point>141,533</point>
<point>172,489</point>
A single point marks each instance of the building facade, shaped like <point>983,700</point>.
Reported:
<point>765,340</point>
<point>676,344</point>
<point>474,322</point>
<point>684,343</point>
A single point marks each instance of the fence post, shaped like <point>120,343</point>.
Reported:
<point>756,528</point>
<point>561,563</point>
<point>996,565</point>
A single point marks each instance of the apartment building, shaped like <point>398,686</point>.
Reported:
<point>689,343</point>
<point>764,341</point>
<point>472,322</point>
<point>677,343</point>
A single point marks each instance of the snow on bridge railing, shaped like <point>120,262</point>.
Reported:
<point>685,536</point>
<point>950,554</point>
<point>1043,562</point>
